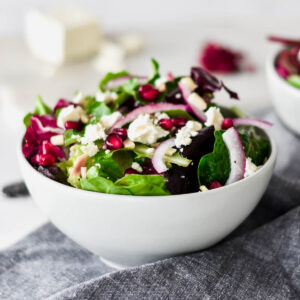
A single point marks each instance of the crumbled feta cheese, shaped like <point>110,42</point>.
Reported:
<point>189,82</point>
<point>197,101</point>
<point>143,130</point>
<point>69,113</point>
<point>251,168</point>
<point>158,116</point>
<point>128,144</point>
<point>110,120</point>
<point>93,132</point>
<point>203,188</point>
<point>57,140</point>
<point>137,167</point>
<point>160,81</point>
<point>160,84</point>
<point>185,134</point>
<point>90,149</point>
<point>106,97</point>
<point>214,117</point>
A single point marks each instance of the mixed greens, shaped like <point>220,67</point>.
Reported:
<point>141,135</point>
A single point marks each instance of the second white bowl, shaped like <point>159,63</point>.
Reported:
<point>286,98</point>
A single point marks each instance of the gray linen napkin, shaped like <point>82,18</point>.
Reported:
<point>260,260</point>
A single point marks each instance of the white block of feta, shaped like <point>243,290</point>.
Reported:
<point>63,35</point>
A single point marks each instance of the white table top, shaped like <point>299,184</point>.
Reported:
<point>175,48</point>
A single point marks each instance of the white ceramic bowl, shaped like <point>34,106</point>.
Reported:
<point>286,98</point>
<point>132,230</point>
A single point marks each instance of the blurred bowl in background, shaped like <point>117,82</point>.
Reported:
<point>285,97</point>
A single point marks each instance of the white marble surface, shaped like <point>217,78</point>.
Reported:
<point>175,47</point>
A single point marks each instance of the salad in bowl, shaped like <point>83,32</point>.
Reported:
<point>146,136</point>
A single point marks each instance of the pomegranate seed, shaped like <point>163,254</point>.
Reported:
<point>166,124</point>
<point>170,77</point>
<point>121,132</point>
<point>114,142</point>
<point>215,184</point>
<point>227,123</point>
<point>73,125</point>
<point>179,122</point>
<point>148,93</point>
<point>130,171</point>
<point>44,159</point>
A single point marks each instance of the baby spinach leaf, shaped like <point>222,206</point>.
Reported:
<point>215,165</point>
<point>255,146</point>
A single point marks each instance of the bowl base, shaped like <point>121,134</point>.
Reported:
<point>113,264</point>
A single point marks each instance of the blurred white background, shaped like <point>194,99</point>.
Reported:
<point>145,14</point>
<point>172,30</point>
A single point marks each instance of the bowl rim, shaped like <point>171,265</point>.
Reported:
<point>271,160</point>
<point>270,66</point>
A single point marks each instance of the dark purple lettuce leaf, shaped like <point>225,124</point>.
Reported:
<point>208,83</point>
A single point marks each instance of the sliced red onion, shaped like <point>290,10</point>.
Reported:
<point>186,93</point>
<point>251,121</point>
<point>44,129</point>
<point>159,153</point>
<point>285,41</point>
<point>147,109</point>
<point>115,83</point>
<point>237,156</point>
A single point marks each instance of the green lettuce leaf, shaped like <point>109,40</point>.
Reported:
<point>155,71</point>
<point>151,185</point>
<point>71,136</point>
<point>111,76</point>
<point>40,109</point>
<point>102,185</point>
